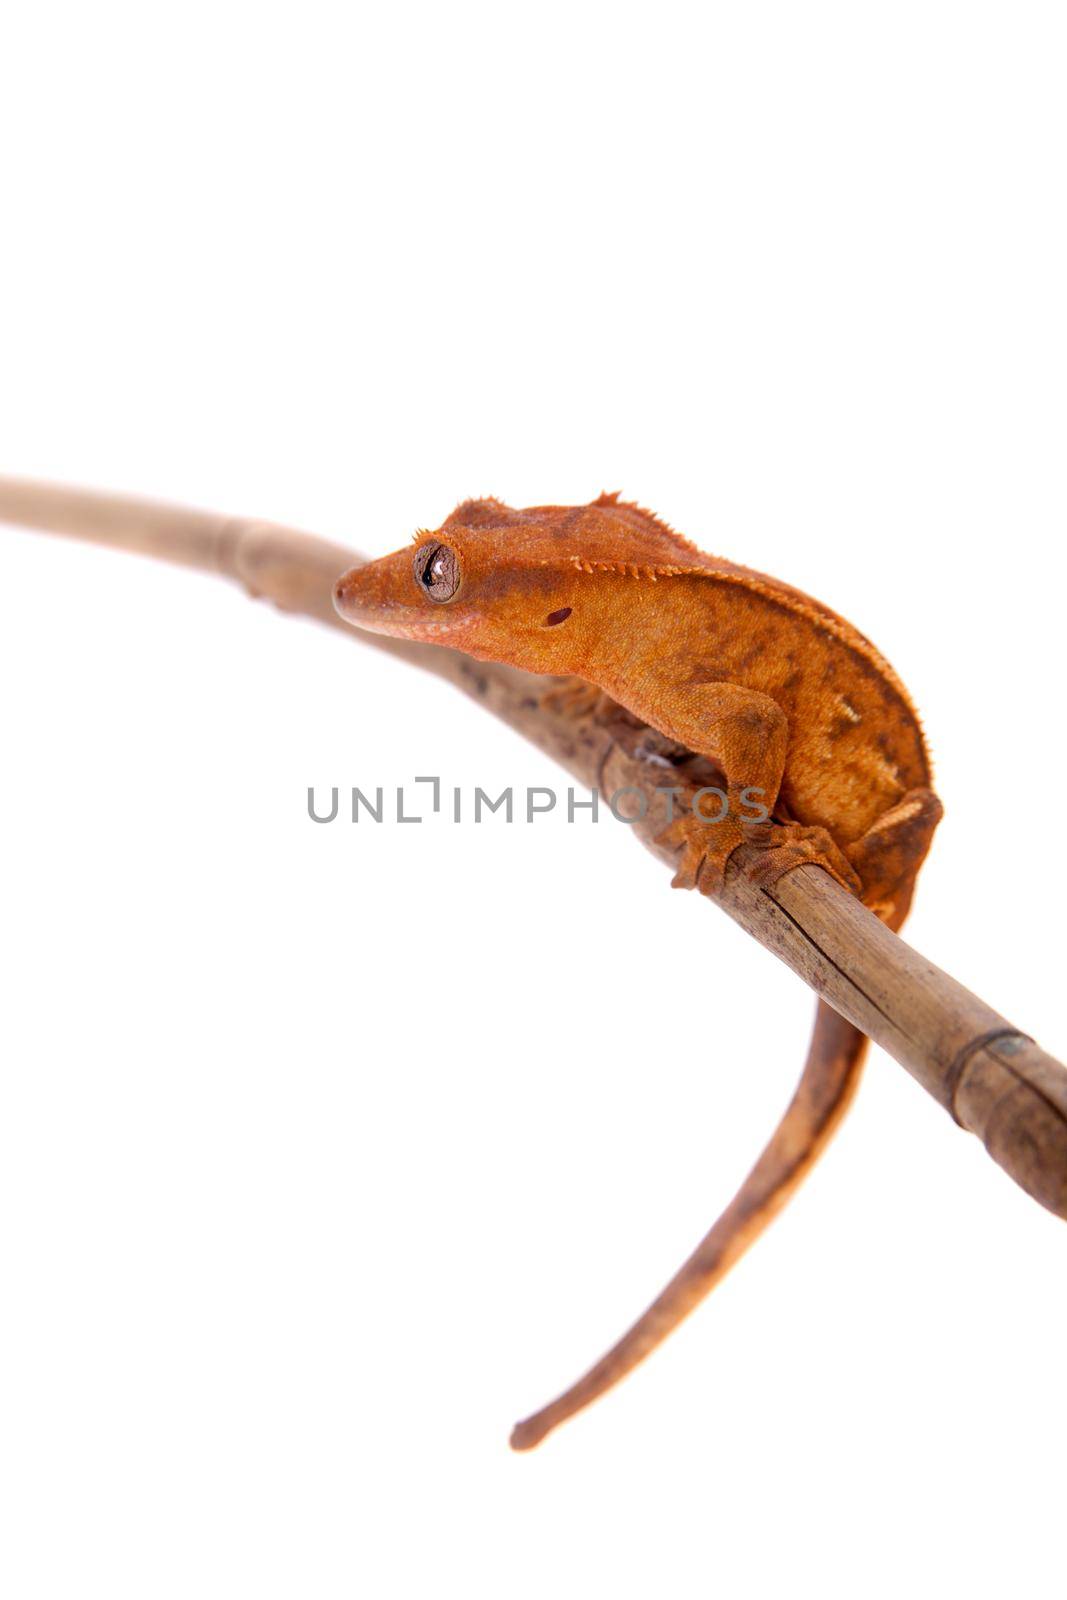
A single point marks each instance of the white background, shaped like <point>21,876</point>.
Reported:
<point>327,1152</point>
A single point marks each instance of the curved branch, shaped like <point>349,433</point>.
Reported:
<point>987,1073</point>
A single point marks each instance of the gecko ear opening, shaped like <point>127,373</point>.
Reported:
<point>554,618</point>
<point>437,570</point>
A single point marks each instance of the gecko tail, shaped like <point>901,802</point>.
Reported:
<point>825,1090</point>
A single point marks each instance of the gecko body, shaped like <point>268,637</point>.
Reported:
<point>786,698</point>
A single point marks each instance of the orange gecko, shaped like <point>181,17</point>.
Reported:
<point>780,693</point>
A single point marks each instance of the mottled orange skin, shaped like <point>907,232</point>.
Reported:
<point>785,696</point>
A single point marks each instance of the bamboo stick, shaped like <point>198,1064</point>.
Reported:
<point>988,1074</point>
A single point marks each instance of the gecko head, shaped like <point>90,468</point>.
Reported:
<point>491,581</point>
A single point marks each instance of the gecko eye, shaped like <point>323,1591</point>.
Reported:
<point>437,571</point>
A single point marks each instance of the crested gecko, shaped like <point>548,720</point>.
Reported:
<point>786,698</point>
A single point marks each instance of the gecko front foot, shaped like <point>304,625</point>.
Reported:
<point>785,845</point>
<point>706,847</point>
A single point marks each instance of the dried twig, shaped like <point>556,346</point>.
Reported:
<point>988,1074</point>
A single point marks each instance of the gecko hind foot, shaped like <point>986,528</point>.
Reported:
<point>888,856</point>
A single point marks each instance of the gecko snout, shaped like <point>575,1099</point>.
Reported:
<point>367,595</point>
<point>403,596</point>
<point>347,597</point>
